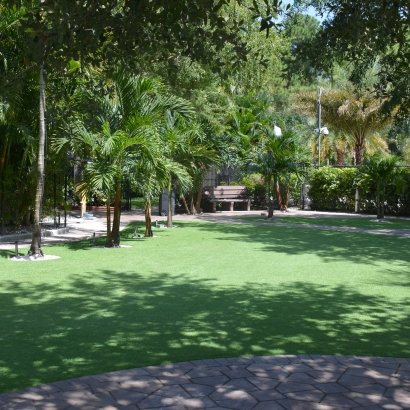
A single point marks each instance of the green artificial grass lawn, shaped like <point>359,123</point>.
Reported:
<point>203,290</point>
<point>351,222</point>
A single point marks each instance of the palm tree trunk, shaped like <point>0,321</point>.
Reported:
<point>200,192</point>
<point>35,247</point>
<point>115,233</point>
<point>199,199</point>
<point>2,187</point>
<point>185,205</point>
<point>3,158</point>
<point>360,144</point>
<point>191,202</point>
<point>278,195</point>
<point>108,240</point>
<point>169,213</point>
<point>340,157</point>
<point>148,229</point>
<point>285,197</point>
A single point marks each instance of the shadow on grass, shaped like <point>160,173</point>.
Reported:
<point>107,320</point>
<point>356,247</point>
<point>126,235</point>
<point>352,222</point>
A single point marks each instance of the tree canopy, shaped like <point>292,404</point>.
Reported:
<point>364,32</point>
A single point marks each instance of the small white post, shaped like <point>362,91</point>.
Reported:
<point>356,201</point>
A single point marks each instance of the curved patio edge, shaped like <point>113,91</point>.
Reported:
<point>290,382</point>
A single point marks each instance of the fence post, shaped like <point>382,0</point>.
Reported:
<point>356,201</point>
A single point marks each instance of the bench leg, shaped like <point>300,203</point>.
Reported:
<point>248,205</point>
<point>213,207</point>
<point>231,206</point>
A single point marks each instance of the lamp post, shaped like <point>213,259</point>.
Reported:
<point>319,113</point>
<point>319,128</point>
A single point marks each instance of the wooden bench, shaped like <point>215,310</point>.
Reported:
<point>227,196</point>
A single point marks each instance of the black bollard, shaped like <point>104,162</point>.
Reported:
<point>94,240</point>
<point>16,244</point>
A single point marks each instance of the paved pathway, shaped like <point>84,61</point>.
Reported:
<point>80,228</point>
<point>253,383</point>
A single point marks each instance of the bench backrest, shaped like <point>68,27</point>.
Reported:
<point>224,192</point>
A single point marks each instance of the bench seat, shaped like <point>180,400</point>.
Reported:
<point>227,195</point>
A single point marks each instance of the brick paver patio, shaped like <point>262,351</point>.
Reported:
<point>248,383</point>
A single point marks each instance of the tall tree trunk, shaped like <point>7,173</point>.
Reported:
<point>3,158</point>
<point>115,233</point>
<point>360,144</point>
<point>169,213</point>
<point>278,195</point>
<point>200,192</point>
<point>199,199</point>
<point>185,205</point>
<point>2,205</point>
<point>191,201</point>
<point>108,240</point>
<point>340,157</point>
<point>285,197</point>
<point>35,248</point>
<point>148,229</point>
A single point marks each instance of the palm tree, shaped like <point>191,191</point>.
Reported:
<point>187,146</point>
<point>134,112</point>
<point>349,113</point>
<point>111,153</point>
<point>276,157</point>
<point>380,171</point>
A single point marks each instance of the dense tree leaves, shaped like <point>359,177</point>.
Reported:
<point>363,31</point>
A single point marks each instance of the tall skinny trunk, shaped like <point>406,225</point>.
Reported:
<point>169,213</point>
<point>191,202</point>
<point>35,248</point>
<point>278,196</point>
<point>3,158</point>
<point>148,229</point>
<point>115,233</point>
<point>285,197</point>
<point>199,199</point>
<point>108,240</point>
<point>185,205</point>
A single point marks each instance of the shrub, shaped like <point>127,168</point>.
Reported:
<point>333,189</point>
<point>256,189</point>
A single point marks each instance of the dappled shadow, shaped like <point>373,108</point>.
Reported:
<point>357,247</point>
<point>7,254</point>
<point>125,319</point>
<point>125,235</point>
<point>353,221</point>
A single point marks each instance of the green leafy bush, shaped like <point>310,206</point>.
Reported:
<point>256,189</point>
<point>333,189</point>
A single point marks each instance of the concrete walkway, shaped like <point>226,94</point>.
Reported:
<point>79,228</point>
<point>248,383</point>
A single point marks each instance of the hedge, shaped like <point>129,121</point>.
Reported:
<point>333,189</point>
